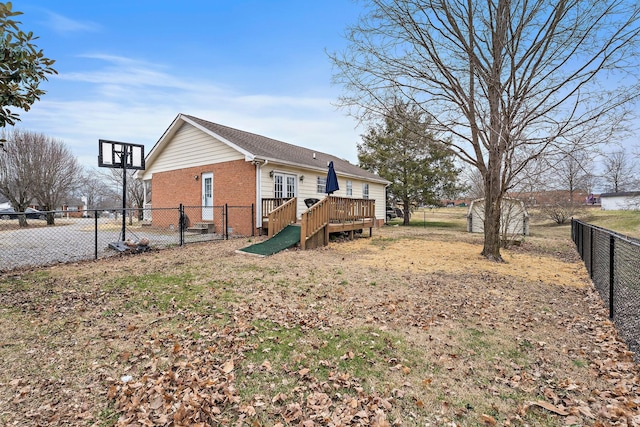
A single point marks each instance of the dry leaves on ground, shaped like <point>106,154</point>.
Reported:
<point>375,332</point>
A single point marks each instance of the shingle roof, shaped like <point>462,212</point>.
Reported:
<point>621,194</point>
<point>276,151</point>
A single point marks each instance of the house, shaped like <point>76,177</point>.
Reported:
<point>554,197</point>
<point>624,200</point>
<point>205,164</point>
<point>514,219</point>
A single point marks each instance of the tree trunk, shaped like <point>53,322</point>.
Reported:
<point>406,213</point>
<point>50,217</point>
<point>51,220</point>
<point>492,206</point>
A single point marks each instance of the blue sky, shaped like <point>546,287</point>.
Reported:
<point>128,68</point>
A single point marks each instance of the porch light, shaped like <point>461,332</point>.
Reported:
<point>270,174</point>
<point>301,178</point>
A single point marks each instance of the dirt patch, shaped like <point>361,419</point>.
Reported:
<point>410,327</point>
<point>429,256</point>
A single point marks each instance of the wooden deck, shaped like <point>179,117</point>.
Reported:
<point>329,215</point>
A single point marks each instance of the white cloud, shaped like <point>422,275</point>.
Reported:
<point>62,24</point>
<point>134,101</point>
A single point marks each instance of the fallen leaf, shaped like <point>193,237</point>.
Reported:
<point>304,371</point>
<point>571,421</point>
<point>550,407</point>
<point>228,366</point>
<point>488,420</point>
<point>156,403</point>
<point>586,411</point>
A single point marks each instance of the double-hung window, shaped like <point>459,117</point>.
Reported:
<point>321,184</point>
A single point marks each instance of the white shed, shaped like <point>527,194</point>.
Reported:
<point>514,218</point>
<point>624,200</point>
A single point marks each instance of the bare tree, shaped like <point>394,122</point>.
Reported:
<point>56,172</point>
<point>619,171</point>
<point>36,168</point>
<point>16,171</point>
<point>92,188</point>
<point>558,209</point>
<point>473,182</point>
<point>510,79</point>
<point>531,181</point>
<point>134,192</point>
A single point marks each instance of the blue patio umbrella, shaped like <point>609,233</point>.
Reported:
<point>332,180</point>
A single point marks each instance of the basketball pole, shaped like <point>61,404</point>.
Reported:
<point>114,154</point>
<point>124,191</point>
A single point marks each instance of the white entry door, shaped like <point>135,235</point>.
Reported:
<point>207,196</point>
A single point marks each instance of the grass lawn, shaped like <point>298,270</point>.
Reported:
<point>410,327</point>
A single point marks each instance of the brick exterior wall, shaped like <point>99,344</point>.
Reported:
<point>234,184</point>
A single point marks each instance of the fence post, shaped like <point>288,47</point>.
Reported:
<point>591,251</point>
<point>181,224</point>
<point>95,249</point>
<point>612,246</point>
<point>581,234</point>
<point>226,221</point>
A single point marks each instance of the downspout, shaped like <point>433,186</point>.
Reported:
<point>259,164</point>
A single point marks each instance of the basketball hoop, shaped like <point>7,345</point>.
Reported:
<point>121,155</point>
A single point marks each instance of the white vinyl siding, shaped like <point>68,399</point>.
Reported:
<point>378,193</point>
<point>313,186</point>
<point>191,147</point>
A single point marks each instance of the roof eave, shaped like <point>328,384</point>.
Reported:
<point>322,170</point>
<point>173,128</point>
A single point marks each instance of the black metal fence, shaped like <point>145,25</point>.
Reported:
<point>613,262</point>
<point>93,234</point>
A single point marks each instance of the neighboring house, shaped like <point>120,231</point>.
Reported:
<point>200,163</point>
<point>553,197</point>
<point>514,219</point>
<point>624,200</point>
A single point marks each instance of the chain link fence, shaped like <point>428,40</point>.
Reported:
<point>94,234</point>
<point>613,262</point>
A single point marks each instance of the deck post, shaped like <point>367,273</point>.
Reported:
<point>326,234</point>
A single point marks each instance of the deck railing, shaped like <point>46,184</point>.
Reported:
<point>315,220</point>
<point>335,213</point>
<point>344,209</point>
<point>329,214</point>
<point>272,203</point>
<point>281,216</point>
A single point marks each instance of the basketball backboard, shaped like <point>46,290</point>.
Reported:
<point>119,155</point>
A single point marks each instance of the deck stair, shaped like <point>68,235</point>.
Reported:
<point>202,228</point>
